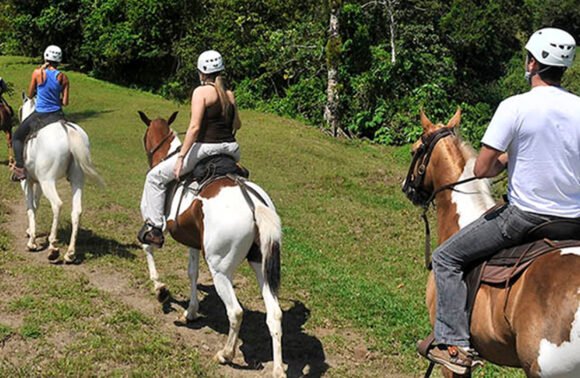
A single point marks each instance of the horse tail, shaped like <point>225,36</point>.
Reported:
<point>82,155</point>
<point>270,232</point>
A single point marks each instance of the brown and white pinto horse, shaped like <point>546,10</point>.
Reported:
<point>6,114</point>
<point>220,223</point>
<point>535,325</point>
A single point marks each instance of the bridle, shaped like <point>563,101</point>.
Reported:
<point>166,139</point>
<point>413,186</point>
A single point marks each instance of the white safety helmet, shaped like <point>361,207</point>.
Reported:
<point>210,61</point>
<point>53,53</point>
<point>552,47</point>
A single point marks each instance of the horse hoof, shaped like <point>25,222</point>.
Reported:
<point>163,294</point>
<point>279,373</point>
<point>53,256</point>
<point>183,319</point>
<point>32,247</point>
<point>70,258</point>
<point>221,358</point>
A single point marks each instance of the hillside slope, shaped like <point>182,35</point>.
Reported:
<point>352,274</point>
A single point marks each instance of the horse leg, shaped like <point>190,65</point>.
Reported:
<point>77,181</point>
<point>32,196</point>
<point>9,143</point>
<point>161,291</point>
<point>192,270</point>
<point>225,290</point>
<point>273,319</point>
<point>49,190</point>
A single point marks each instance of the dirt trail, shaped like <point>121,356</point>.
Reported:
<point>302,352</point>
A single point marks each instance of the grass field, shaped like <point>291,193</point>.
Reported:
<point>352,254</point>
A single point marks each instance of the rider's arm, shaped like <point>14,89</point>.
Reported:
<point>237,122</point>
<point>490,162</point>
<point>65,87</point>
<point>197,110</point>
<point>33,82</point>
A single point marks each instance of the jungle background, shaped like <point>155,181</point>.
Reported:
<point>393,57</point>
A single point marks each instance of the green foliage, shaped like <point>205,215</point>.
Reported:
<point>571,79</point>
<point>444,53</point>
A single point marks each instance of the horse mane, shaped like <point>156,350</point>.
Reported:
<point>478,192</point>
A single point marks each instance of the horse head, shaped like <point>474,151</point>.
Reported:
<point>419,183</point>
<point>27,108</point>
<point>158,137</point>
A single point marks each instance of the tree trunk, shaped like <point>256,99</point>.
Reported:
<point>392,25</point>
<point>331,111</point>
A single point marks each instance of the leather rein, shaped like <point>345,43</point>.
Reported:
<point>413,186</point>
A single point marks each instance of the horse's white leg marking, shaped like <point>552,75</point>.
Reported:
<point>570,251</point>
<point>31,204</point>
<point>160,288</point>
<point>562,361</point>
<point>273,319</point>
<point>76,178</point>
<point>192,271</point>
<point>225,290</point>
<point>49,190</point>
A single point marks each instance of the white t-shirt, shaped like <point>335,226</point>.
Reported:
<point>540,130</point>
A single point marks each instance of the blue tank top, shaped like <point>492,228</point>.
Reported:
<point>48,93</point>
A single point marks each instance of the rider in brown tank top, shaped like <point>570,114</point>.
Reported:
<point>215,127</point>
<point>214,119</point>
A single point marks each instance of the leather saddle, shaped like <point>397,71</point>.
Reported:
<point>206,171</point>
<point>506,266</point>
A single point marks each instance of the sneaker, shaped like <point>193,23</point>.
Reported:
<point>18,174</point>
<point>151,235</point>
<point>454,358</point>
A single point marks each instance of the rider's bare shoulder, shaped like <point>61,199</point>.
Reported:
<point>62,78</point>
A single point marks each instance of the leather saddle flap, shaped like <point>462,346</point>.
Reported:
<point>509,263</point>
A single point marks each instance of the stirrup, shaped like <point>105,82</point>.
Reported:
<point>152,235</point>
<point>18,174</point>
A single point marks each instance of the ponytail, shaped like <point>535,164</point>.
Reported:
<point>220,87</point>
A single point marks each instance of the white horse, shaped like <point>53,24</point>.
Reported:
<point>59,150</point>
<point>220,222</point>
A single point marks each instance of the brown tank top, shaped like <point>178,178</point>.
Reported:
<point>215,128</point>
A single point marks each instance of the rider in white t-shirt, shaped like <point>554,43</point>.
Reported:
<point>540,131</point>
<point>535,135</point>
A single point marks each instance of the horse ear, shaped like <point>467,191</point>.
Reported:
<point>425,122</point>
<point>144,118</point>
<point>454,122</point>
<point>172,118</point>
<point>24,96</point>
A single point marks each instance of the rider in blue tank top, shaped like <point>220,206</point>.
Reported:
<point>48,93</point>
<point>51,88</point>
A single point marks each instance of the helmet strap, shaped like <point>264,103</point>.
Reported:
<point>528,75</point>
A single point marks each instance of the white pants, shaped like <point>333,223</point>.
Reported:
<point>153,199</point>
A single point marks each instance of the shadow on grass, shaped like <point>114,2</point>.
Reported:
<point>77,117</point>
<point>91,246</point>
<point>299,349</point>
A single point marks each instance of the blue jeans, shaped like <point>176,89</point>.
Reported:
<point>502,228</point>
